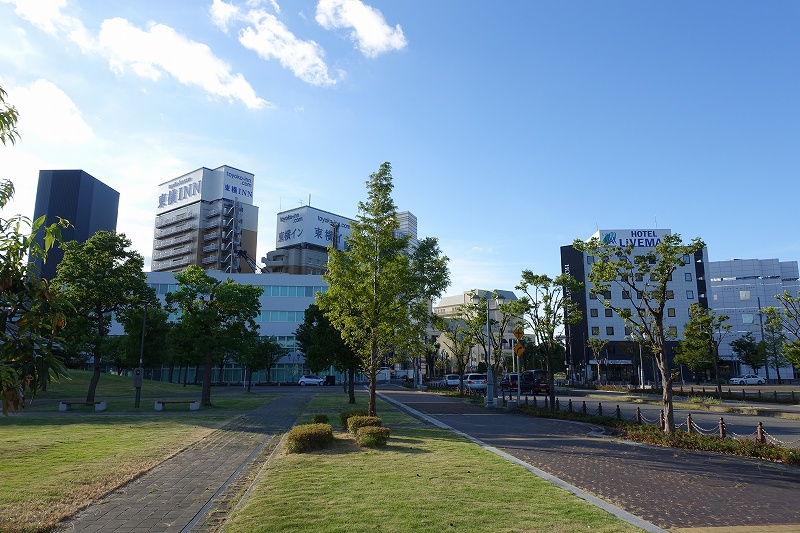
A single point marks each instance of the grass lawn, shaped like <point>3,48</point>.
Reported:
<point>426,479</point>
<point>54,463</point>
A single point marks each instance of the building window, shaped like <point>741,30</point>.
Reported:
<point>744,295</point>
<point>592,296</point>
<point>687,276</point>
<point>747,318</point>
<point>595,330</point>
<point>626,295</point>
<point>639,277</point>
<point>609,313</point>
<point>671,312</point>
<point>593,312</point>
<point>672,331</point>
<point>628,330</point>
<point>590,259</point>
<point>690,295</point>
<point>670,295</point>
<point>609,330</point>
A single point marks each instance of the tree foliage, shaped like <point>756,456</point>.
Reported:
<point>261,353</point>
<point>644,278</point>
<point>702,335</point>
<point>548,309</point>
<point>324,347</point>
<point>746,349</point>
<point>787,314</point>
<point>380,291</point>
<point>457,339</point>
<point>218,315</point>
<point>8,120</point>
<point>101,277</point>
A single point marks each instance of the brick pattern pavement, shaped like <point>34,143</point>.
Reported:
<point>667,487</point>
<point>190,491</point>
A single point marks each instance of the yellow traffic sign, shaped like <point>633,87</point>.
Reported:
<point>518,333</point>
<point>519,350</point>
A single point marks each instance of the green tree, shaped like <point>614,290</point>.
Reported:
<point>702,335</point>
<point>379,292</point>
<point>154,320</point>
<point>100,277</point>
<point>644,279</point>
<point>260,354</point>
<point>217,314</point>
<point>772,345</point>
<point>548,309</point>
<point>8,120</point>
<point>32,315</point>
<point>597,345</point>
<point>457,339</point>
<point>746,349</point>
<point>324,347</point>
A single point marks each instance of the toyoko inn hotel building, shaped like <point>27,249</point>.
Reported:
<point>621,359</point>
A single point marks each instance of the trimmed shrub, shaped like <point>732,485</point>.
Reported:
<point>307,437</point>
<point>372,436</point>
<point>356,422</point>
<point>352,412</point>
<point>320,419</point>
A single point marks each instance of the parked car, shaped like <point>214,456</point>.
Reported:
<point>534,382</point>
<point>451,380</point>
<point>747,379</point>
<point>310,379</point>
<point>475,382</point>
<point>509,382</point>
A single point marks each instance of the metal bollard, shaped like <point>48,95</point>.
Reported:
<point>661,421</point>
<point>760,436</point>
<point>599,409</point>
<point>569,406</point>
<point>547,402</point>
<point>619,413</point>
<point>558,405</point>
<point>689,428</point>
<point>638,415</point>
<point>583,407</point>
<point>722,430</point>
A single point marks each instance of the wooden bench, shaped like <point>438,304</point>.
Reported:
<point>65,406</point>
<point>194,405</point>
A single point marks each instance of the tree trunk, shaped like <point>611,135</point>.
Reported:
<point>208,365</point>
<point>171,371</point>
<point>666,395</point>
<point>95,376</point>
<point>351,386</point>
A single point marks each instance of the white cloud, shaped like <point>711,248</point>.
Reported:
<point>160,49</point>
<point>222,14</point>
<point>372,35</point>
<point>47,113</point>
<point>149,54</point>
<point>269,38</point>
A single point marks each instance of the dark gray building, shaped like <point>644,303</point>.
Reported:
<point>89,204</point>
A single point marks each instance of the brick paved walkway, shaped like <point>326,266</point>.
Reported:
<point>185,492</point>
<point>674,489</point>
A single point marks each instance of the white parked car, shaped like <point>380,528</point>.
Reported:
<point>476,382</point>
<point>311,379</point>
<point>451,380</point>
<point>747,379</point>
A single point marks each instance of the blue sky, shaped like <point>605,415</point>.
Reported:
<point>513,127</point>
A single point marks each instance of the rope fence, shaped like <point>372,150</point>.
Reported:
<point>689,425</point>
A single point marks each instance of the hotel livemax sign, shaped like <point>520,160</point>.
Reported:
<point>638,238</point>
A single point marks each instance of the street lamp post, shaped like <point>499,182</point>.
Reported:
<point>489,372</point>
<point>139,373</point>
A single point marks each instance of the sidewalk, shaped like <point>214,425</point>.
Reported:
<point>183,492</point>
<point>677,490</point>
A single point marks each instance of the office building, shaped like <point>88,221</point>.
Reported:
<point>74,195</point>
<point>622,360</point>
<point>206,218</point>
<point>741,289</point>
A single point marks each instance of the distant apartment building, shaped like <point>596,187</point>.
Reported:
<point>205,218</point>
<point>450,307</point>
<point>622,359</point>
<point>74,195</point>
<point>741,289</point>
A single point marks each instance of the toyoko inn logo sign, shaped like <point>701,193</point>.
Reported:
<point>180,192</point>
<point>638,238</point>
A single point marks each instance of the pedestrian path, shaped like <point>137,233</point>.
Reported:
<point>675,490</point>
<point>188,491</point>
